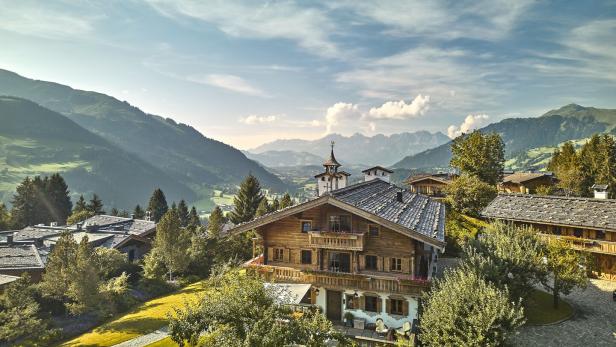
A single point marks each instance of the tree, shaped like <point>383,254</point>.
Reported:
<point>247,200</point>
<point>567,268</point>
<point>138,212</point>
<point>286,201</point>
<point>83,289</point>
<point>463,309</point>
<point>509,256</point>
<point>171,242</point>
<point>123,214</point>
<point>109,262</point>
<point>275,205</point>
<point>263,208</point>
<point>95,205</point>
<point>19,312</point>
<point>25,205</point>
<point>79,216</point>
<point>481,155</point>
<point>183,213</point>
<point>469,195</point>
<point>58,197</point>
<point>80,205</point>
<point>5,217</point>
<point>114,211</point>
<point>565,164</point>
<point>215,222</point>
<point>193,218</point>
<point>174,206</point>
<point>157,205</point>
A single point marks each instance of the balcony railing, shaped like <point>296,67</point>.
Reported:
<point>393,284</point>
<point>337,240</point>
<point>590,245</point>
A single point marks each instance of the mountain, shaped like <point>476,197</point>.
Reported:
<point>360,149</point>
<point>38,141</point>
<point>274,159</point>
<point>178,150</point>
<point>570,122</point>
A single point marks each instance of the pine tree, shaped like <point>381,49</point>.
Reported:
<point>114,211</point>
<point>42,203</point>
<point>275,205</point>
<point>25,205</point>
<point>286,201</point>
<point>174,206</point>
<point>5,217</point>
<point>59,199</point>
<point>81,205</point>
<point>158,205</point>
<point>123,214</point>
<point>215,222</point>
<point>138,212</point>
<point>247,200</point>
<point>95,205</point>
<point>193,218</point>
<point>183,213</point>
<point>264,208</point>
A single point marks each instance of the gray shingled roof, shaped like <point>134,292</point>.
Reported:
<point>571,211</point>
<point>113,223</point>
<point>416,212</point>
<point>33,233</point>
<point>19,256</point>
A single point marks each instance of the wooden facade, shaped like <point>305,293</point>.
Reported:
<point>525,183</point>
<point>429,184</point>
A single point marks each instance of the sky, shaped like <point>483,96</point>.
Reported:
<point>250,72</point>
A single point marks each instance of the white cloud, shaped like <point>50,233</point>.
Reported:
<point>471,122</point>
<point>309,27</point>
<point>400,109</point>
<point>254,119</point>
<point>339,112</point>
<point>228,82</point>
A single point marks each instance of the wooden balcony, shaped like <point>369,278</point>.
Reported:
<point>374,283</point>
<point>337,240</point>
<point>595,246</point>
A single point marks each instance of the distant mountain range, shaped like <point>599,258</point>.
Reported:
<point>356,149</point>
<point>178,151</point>
<point>520,135</point>
<point>275,159</point>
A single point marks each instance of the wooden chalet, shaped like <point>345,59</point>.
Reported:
<point>526,182</point>
<point>429,184</point>
<point>587,224</point>
<point>369,249</point>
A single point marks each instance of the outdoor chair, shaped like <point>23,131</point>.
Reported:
<point>381,328</point>
<point>405,330</point>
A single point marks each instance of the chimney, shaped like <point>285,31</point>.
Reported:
<point>600,191</point>
<point>132,216</point>
<point>399,196</point>
<point>53,224</point>
<point>9,239</point>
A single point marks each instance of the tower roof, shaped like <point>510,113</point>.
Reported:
<point>332,159</point>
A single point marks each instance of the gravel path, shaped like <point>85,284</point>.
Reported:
<point>145,340</point>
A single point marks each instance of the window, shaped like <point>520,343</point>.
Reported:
<point>306,226</point>
<point>373,230</point>
<point>351,302</point>
<point>371,262</point>
<point>340,223</point>
<point>577,232</point>
<point>278,254</point>
<point>396,306</point>
<point>556,230</point>
<point>339,262</point>
<point>371,303</point>
<point>306,257</point>
<point>600,235</point>
<point>322,178</point>
<point>395,264</point>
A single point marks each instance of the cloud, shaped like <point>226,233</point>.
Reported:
<point>228,82</point>
<point>400,109</point>
<point>339,112</point>
<point>254,119</point>
<point>309,27</point>
<point>471,122</point>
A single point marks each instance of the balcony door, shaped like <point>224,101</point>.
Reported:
<point>334,305</point>
<point>339,262</point>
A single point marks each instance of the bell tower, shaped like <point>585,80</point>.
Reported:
<point>331,179</point>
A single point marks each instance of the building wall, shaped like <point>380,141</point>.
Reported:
<point>528,187</point>
<point>373,174</point>
<point>35,274</point>
<point>428,187</point>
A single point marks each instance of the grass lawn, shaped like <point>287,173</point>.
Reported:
<point>539,309</point>
<point>144,319</point>
<point>166,342</point>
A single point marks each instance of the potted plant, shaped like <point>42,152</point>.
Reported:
<point>348,319</point>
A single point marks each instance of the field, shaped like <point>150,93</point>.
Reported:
<point>539,309</point>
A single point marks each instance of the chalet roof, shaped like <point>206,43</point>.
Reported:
<point>33,233</point>
<point>599,186</point>
<point>440,177</point>
<point>416,216</point>
<point>378,167</point>
<point>521,177</point>
<point>103,223</point>
<point>336,174</point>
<point>18,256</point>
<point>569,211</point>
<point>332,159</point>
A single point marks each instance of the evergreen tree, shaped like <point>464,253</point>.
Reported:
<point>174,207</point>
<point>171,242</point>
<point>25,205</point>
<point>264,208</point>
<point>565,164</point>
<point>157,205</point>
<point>247,200</point>
<point>95,205</point>
<point>81,205</point>
<point>193,218</point>
<point>42,203</point>
<point>123,214</point>
<point>286,201</point>
<point>59,199</point>
<point>138,212</point>
<point>183,213</point>
<point>275,205</point>
<point>5,217</point>
<point>215,222</point>
<point>114,211</point>
<point>479,155</point>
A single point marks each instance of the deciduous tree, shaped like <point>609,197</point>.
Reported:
<point>480,155</point>
<point>567,268</point>
<point>171,242</point>
<point>469,195</point>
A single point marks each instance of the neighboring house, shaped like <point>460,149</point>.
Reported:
<point>586,224</point>
<point>526,182</point>
<point>429,184</point>
<point>368,248</point>
<point>331,179</point>
<point>16,258</point>
<point>377,172</point>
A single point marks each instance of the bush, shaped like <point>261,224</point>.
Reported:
<point>469,195</point>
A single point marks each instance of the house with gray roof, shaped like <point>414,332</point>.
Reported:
<point>17,258</point>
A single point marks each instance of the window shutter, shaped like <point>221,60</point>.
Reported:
<point>386,266</point>
<point>379,304</point>
<point>297,256</point>
<point>405,308</point>
<point>362,262</point>
<point>405,265</point>
<point>313,296</point>
<point>362,302</point>
<point>287,255</point>
<point>379,264</point>
<point>315,257</point>
<point>270,254</point>
<point>387,305</point>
